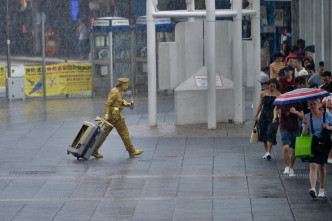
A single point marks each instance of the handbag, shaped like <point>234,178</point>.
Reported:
<point>320,145</point>
<point>255,134</point>
<point>303,147</point>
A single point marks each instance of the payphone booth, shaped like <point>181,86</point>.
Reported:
<point>111,53</point>
<point>164,33</point>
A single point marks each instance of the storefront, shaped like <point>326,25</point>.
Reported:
<point>275,16</point>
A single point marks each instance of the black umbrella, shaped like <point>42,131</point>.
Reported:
<point>310,48</point>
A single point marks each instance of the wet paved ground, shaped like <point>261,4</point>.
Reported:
<point>186,173</point>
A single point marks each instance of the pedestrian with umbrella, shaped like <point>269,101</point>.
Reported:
<point>289,130</point>
<point>293,98</point>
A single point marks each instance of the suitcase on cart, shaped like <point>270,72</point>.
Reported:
<point>87,139</point>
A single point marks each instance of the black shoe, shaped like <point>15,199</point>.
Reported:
<point>312,193</point>
<point>268,157</point>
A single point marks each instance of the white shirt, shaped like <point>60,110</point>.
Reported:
<point>296,73</point>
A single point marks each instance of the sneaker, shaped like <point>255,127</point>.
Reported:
<point>265,155</point>
<point>312,193</point>
<point>291,172</point>
<point>268,156</point>
<point>321,193</point>
<point>286,171</point>
<point>329,160</point>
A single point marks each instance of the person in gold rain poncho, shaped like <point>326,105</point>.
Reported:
<point>113,107</point>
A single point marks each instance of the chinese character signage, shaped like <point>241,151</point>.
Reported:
<point>63,78</point>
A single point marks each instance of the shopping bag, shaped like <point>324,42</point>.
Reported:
<point>254,134</point>
<point>303,147</point>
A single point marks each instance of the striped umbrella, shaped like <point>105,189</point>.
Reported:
<point>299,95</point>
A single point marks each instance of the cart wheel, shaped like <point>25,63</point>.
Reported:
<point>78,158</point>
<point>68,152</point>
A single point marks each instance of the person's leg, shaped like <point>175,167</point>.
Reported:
<point>124,134</point>
<point>292,158</point>
<point>285,154</point>
<point>322,175</point>
<point>292,147</point>
<point>330,157</point>
<point>107,130</point>
<point>285,151</point>
<point>269,147</point>
<point>313,175</point>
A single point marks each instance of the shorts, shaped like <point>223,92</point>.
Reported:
<point>288,138</point>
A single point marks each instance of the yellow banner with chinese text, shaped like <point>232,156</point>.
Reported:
<point>3,80</point>
<point>62,78</point>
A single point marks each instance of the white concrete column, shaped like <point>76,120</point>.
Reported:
<point>322,29</point>
<point>327,35</point>
<point>191,7</point>
<point>309,23</point>
<point>255,33</point>
<point>211,62</point>
<point>237,62</point>
<point>152,73</point>
<point>302,19</point>
<point>317,31</point>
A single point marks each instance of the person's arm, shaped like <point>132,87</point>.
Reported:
<point>275,114</point>
<point>299,114</point>
<point>305,124</point>
<point>271,71</point>
<point>328,124</point>
<point>260,105</point>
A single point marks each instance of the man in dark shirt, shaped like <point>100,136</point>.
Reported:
<point>289,128</point>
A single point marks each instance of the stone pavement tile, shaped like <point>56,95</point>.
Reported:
<point>265,186</point>
<point>77,168</point>
<point>170,146</point>
<point>232,209</point>
<point>256,165</point>
<point>125,188</point>
<point>195,186</point>
<point>21,188</point>
<point>76,210</point>
<point>91,188</point>
<point>230,187</point>
<point>228,145</point>
<point>166,165</point>
<point>192,210</point>
<point>199,146</point>
<point>9,209</point>
<point>160,187</point>
<point>308,214</point>
<point>271,209</point>
<point>40,211</point>
<point>154,210</point>
<point>115,210</point>
<point>229,164</point>
<point>197,165</point>
<point>55,188</point>
<point>135,166</point>
<point>227,149</point>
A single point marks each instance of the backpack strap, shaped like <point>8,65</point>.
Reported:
<point>311,124</point>
<point>312,127</point>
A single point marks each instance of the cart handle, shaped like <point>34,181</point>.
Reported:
<point>103,121</point>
